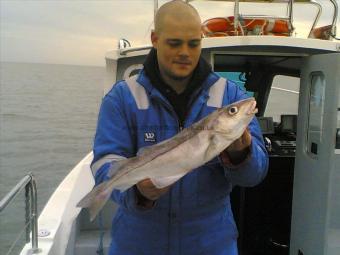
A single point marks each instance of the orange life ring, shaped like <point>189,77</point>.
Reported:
<point>277,26</point>
<point>225,27</point>
<point>217,27</point>
<point>323,33</point>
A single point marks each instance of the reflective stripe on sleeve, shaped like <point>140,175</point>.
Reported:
<point>138,92</point>
<point>106,159</point>
<point>216,93</point>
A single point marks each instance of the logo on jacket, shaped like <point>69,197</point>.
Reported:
<point>149,137</point>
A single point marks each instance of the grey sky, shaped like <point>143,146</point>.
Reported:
<point>80,32</point>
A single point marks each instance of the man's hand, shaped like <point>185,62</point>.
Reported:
<point>238,151</point>
<point>147,193</point>
<point>241,143</point>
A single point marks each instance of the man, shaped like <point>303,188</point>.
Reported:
<point>175,89</point>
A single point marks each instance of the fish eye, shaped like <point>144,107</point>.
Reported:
<point>233,110</point>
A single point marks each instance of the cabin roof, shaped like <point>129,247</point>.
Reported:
<point>248,44</point>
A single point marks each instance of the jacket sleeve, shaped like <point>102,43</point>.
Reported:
<point>113,141</point>
<point>254,168</point>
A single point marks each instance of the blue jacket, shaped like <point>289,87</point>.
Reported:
<point>195,216</point>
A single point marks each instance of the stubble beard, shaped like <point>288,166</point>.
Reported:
<point>175,77</point>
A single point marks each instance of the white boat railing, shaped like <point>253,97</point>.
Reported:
<point>31,217</point>
<point>335,18</point>
<point>288,17</point>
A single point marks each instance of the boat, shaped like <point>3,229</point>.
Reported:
<point>296,210</point>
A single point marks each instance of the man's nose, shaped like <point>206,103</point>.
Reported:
<point>184,50</point>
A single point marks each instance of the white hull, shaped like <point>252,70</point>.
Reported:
<point>59,214</point>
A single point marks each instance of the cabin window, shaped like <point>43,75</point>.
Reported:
<point>334,223</point>
<point>283,97</point>
<point>316,111</point>
<point>337,144</point>
<point>132,70</point>
<point>238,77</point>
<point>338,122</point>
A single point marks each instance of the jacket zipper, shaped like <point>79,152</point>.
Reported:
<point>174,114</point>
<point>179,128</point>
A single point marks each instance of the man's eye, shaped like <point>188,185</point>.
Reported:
<point>194,44</point>
<point>174,44</point>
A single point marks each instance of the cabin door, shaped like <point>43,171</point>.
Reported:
<point>315,225</point>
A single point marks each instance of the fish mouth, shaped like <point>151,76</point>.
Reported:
<point>252,108</point>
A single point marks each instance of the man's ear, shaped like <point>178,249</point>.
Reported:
<point>154,39</point>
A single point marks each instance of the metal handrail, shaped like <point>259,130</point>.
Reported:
<point>316,20</point>
<point>27,182</point>
<point>335,17</point>
<point>237,14</point>
<point>128,50</point>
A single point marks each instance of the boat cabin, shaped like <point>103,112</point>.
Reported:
<point>296,83</point>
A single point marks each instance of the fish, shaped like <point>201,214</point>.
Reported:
<point>168,161</point>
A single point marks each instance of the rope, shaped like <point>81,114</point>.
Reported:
<point>18,236</point>
<point>100,249</point>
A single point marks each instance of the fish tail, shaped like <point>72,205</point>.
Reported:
<point>96,199</point>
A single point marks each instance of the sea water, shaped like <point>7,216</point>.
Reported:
<point>48,117</point>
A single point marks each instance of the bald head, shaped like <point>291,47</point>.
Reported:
<point>177,39</point>
<point>175,10</point>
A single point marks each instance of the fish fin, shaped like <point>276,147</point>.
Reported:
<point>148,149</point>
<point>124,186</point>
<point>156,147</point>
<point>211,151</point>
<point>115,166</point>
<point>142,150</point>
<point>166,181</point>
<point>96,199</point>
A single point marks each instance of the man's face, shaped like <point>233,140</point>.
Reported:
<point>178,47</point>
